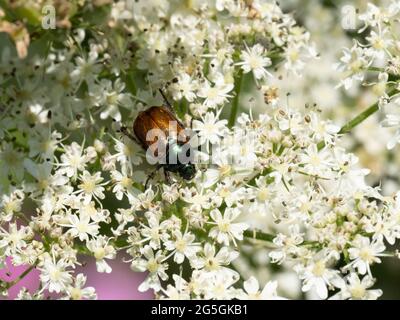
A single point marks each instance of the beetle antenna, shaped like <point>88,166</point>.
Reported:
<point>165,99</point>
<point>124,131</point>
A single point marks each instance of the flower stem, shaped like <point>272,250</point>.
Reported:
<point>359,118</point>
<point>258,235</point>
<point>235,103</point>
<point>23,275</point>
<point>364,115</point>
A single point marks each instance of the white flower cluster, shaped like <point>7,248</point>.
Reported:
<point>199,50</point>
<point>375,60</point>
<point>71,185</point>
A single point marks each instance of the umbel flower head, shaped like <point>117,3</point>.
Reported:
<point>278,185</point>
<point>376,63</point>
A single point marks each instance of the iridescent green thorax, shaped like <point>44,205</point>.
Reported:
<point>179,162</point>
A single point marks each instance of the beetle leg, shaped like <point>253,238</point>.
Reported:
<point>167,176</point>
<point>169,105</point>
<point>124,130</point>
<point>151,176</point>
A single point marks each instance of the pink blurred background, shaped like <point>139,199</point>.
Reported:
<point>120,284</point>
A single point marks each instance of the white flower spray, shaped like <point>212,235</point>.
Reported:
<point>279,182</point>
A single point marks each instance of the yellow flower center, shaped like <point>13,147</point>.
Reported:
<point>224,192</point>
<point>112,99</point>
<point>180,245</point>
<point>211,264</point>
<point>88,186</point>
<point>263,194</point>
<point>255,62</point>
<point>225,170</point>
<point>43,184</point>
<point>152,265</point>
<point>357,291</point>
<point>55,275</point>
<point>319,268</point>
<point>99,253</point>
<point>126,182</point>
<point>76,294</point>
<point>82,227</point>
<point>224,226</point>
<point>315,160</point>
<point>212,93</point>
<point>366,255</point>
<point>10,206</point>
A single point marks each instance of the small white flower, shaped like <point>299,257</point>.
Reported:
<point>43,174</point>
<point>224,229</point>
<point>152,263</point>
<point>353,65</point>
<point>356,289</point>
<point>215,95</point>
<point>128,152</point>
<point>220,287</point>
<point>101,251</point>
<point>44,144</point>
<point>254,59</point>
<point>316,162</point>
<point>73,160</point>
<point>252,290</point>
<point>54,275</point>
<point>111,96</point>
<point>10,204</point>
<point>81,227</point>
<point>170,193</point>
<point>179,291</point>
<point>182,246</point>
<point>364,253</point>
<point>91,186</point>
<point>78,292</point>
<point>323,130</point>
<point>86,68</point>
<point>14,239</point>
<point>210,129</point>
<point>184,87</point>
<point>212,261</point>
<point>317,275</point>
<point>123,185</point>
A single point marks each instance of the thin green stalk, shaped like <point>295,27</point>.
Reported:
<point>375,69</point>
<point>258,235</point>
<point>359,118</point>
<point>23,275</point>
<point>364,115</point>
<point>235,103</point>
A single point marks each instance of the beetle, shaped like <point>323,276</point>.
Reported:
<point>159,117</point>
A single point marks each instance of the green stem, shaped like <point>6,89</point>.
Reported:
<point>255,234</point>
<point>363,115</point>
<point>258,235</point>
<point>235,103</point>
<point>359,118</point>
<point>375,69</point>
<point>23,275</point>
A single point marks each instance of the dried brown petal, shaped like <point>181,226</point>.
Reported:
<point>19,35</point>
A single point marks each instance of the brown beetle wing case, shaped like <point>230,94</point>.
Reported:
<point>166,121</point>
<point>160,118</point>
<point>142,126</point>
